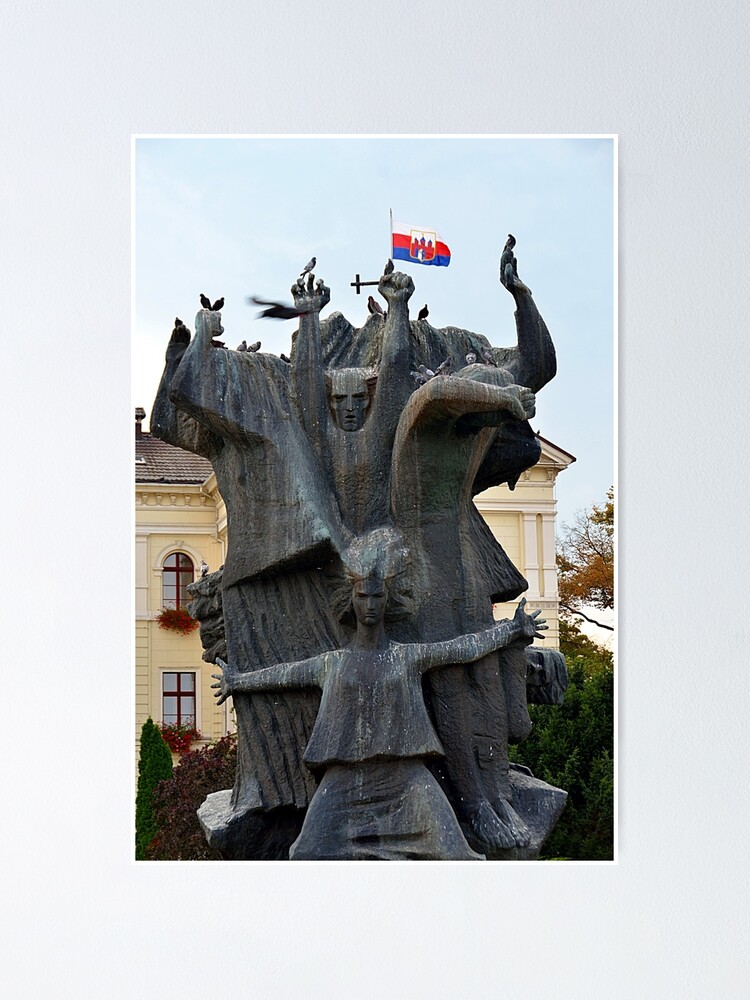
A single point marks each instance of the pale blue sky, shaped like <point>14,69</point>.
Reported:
<point>238,216</point>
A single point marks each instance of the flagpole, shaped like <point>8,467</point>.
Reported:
<point>390,245</point>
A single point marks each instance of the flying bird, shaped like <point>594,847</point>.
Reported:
<point>388,269</point>
<point>374,306</point>
<point>424,312</point>
<point>254,348</point>
<point>308,266</point>
<point>275,310</point>
<point>204,567</point>
<point>242,346</point>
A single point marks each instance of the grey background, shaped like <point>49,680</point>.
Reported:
<point>670,920</point>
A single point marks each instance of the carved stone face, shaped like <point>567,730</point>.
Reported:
<point>349,398</point>
<point>369,600</point>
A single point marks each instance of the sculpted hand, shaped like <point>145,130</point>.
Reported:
<point>396,287</point>
<point>208,326</point>
<point>226,681</point>
<point>531,626</point>
<point>509,275</point>
<point>528,401</point>
<point>309,298</point>
<point>178,342</point>
<point>523,402</point>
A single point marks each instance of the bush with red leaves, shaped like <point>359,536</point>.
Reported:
<point>179,836</point>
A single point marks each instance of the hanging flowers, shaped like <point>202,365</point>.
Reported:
<point>177,620</point>
<point>179,737</point>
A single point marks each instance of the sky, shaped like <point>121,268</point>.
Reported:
<point>234,216</point>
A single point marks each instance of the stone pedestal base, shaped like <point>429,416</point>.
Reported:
<point>249,834</point>
<point>254,835</point>
<point>539,805</point>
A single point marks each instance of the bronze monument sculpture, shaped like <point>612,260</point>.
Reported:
<point>374,693</point>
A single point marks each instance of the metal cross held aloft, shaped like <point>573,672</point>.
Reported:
<point>358,283</point>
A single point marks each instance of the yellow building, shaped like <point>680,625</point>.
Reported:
<point>523,521</point>
<point>180,523</point>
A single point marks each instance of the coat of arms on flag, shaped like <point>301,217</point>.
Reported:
<point>419,245</point>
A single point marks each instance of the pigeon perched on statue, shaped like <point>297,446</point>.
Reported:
<point>426,372</point>
<point>424,312</point>
<point>444,368</point>
<point>419,378</point>
<point>206,303</point>
<point>285,358</point>
<point>254,348</point>
<point>488,358</point>
<point>388,269</point>
<point>308,266</point>
<point>374,307</point>
<point>204,567</point>
<point>242,346</point>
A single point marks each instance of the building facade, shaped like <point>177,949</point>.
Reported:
<point>181,523</point>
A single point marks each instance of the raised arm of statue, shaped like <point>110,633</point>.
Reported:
<point>301,674</point>
<point>533,362</point>
<point>308,376</point>
<point>467,648</point>
<point>215,386</point>
<point>167,422</point>
<point>394,386</point>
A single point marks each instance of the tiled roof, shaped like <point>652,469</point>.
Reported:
<point>163,463</point>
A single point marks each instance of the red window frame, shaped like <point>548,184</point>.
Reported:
<point>175,571</point>
<point>184,693</point>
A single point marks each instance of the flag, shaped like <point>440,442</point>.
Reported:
<point>419,245</point>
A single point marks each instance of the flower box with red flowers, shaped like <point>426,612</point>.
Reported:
<point>179,737</point>
<point>177,620</point>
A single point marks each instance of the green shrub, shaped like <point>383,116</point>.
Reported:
<point>571,746</point>
<point>154,765</point>
<point>178,834</point>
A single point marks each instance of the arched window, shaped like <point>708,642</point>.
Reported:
<point>177,573</point>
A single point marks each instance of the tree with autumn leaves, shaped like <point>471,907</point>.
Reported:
<point>571,745</point>
<point>585,561</point>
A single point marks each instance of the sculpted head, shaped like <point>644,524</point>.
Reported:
<point>369,596</point>
<point>374,585</point>
<point>350,393</point>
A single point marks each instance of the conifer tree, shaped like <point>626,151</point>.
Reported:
<point>154,765</point>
